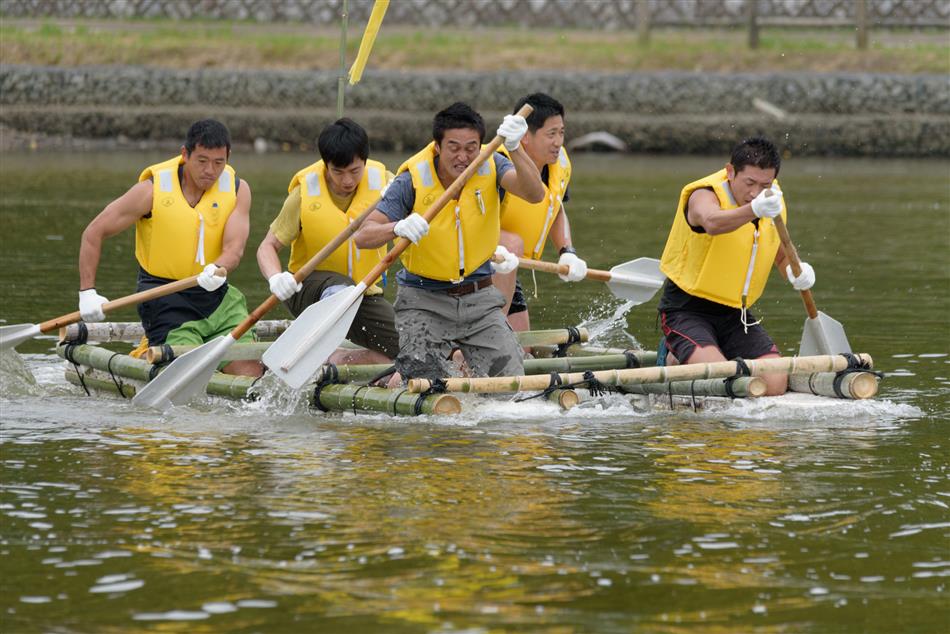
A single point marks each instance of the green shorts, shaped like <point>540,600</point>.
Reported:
<point>230,312</point>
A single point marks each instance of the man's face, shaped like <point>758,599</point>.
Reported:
<point>748,182</point>
<point>343,181</point>
<point>458,149</point>
<point>544,144</point>
<point>204,165</point>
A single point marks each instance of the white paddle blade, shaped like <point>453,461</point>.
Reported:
<point>636,281</point>
<point>298,353</point>
<point>12,336</point>
<point>185,378</point>
<point>823,335</point>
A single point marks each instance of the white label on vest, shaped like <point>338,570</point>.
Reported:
<point>425,173</point>
<point>483,169</point>
<point>224,182</point>
<point>165,180</point>
<point>374,178</point>
<point>313,184</point>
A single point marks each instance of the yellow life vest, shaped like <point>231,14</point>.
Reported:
<point>321,221</point>
<point>177,240</point>
<point>729,268</point>
<point>533,221</point>
<point>465,233</point>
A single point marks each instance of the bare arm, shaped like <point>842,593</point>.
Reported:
<point>524,181</point>
<point>376,231</point>
<point>561,230</point>
<point>118,216</point>
<point>703,210</point>
<point>267,258</point>
<point>236,230</point>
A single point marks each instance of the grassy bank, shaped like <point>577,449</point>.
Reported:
<point>245,45</point>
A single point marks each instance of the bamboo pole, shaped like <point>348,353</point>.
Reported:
<point>752,15</point>
<point>722,369</point>
<point>861,24</point>
<point>742,387</point>
<point>132,331</point>
<point>566,399</point>
<point>357,398</point>
<point>854,385</point>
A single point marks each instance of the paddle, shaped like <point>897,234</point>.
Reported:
<point>636,281</point>
<point>189,374</point>
<point>821,334</point>
<point>12,336</point>
<point>298,353</point>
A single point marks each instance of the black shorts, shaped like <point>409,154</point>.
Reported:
<point>518,302</point>
<point>685,330</point>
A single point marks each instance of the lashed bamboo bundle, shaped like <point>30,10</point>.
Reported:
<point>742,387</point>
<point>853,385</point>
<point>132,331</point>
<point>722,369</point>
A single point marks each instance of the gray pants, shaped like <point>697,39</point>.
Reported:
<point>431,324</point>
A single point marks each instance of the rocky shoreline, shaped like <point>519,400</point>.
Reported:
<point>842,114</point>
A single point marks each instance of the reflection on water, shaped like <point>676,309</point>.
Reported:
<point>264,517</point>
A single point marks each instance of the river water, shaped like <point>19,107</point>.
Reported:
<point>263,517</point>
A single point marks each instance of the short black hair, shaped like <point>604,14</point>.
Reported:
<point>545,107</point>
<point>458,115</point>
<point>756,151</point>
<point>342,142</point>
<point>207,133</point>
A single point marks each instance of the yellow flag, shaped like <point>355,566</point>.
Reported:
<point>369,36</point>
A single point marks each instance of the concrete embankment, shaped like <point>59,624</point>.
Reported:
<point>673,112</point>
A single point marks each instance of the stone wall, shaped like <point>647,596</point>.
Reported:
<point>844,114</point>
<point>588,14</point>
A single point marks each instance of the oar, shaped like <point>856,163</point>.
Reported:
<point>636,281</point>
<point>298,353</point>
<point>12,336</point>
<point>189,374</point>
<point>821,334</point>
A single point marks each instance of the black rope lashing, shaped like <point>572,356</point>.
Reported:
<point>669,392</point>
<point>742,369</point>
<point>82,336</point>
<point>692,395</point>
<point>396,400</point>
<point>573,336</point>
<point>153,371</point>
<point>855,365</point>
<point>168,353</point>
<point>596,387</point>
<point>328,376</point>
<point>436,386</point>
<point>555,384</point>
<point>68,353</point>
<point>356,393</point>
<point>118,384</point>
<point>633,361</point>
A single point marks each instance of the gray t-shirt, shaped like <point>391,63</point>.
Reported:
<point>398,203</point>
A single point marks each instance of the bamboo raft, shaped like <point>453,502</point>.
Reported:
<point>343,387</point>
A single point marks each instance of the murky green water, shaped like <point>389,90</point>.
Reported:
<point>261,517</point>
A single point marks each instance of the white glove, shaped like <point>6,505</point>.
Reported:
<point>90,306</point>
<point>804,281</point>
<point>413,227</point>
<point>283,285</point>
<point>208,280</point>
<point>768,203</point>
<point>512,128</point>
<point>577,270</point>
<point>509,264</point>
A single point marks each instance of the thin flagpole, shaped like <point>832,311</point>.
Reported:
<point>341,80</point>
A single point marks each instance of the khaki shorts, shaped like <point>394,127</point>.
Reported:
<point>374,325</point>
<point>432,324</point>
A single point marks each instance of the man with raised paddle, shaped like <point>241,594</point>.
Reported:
<point>717,260</point>
<point>446,299</point>
<point>525,227</point>
<point>324,198</point>
<point>191,215</point>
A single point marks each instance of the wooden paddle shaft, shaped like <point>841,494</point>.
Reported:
<point>792,254</point>
<point>721,370</point>
<point>449,194</point>
<point>559,269</point>
<point>129,300</point>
